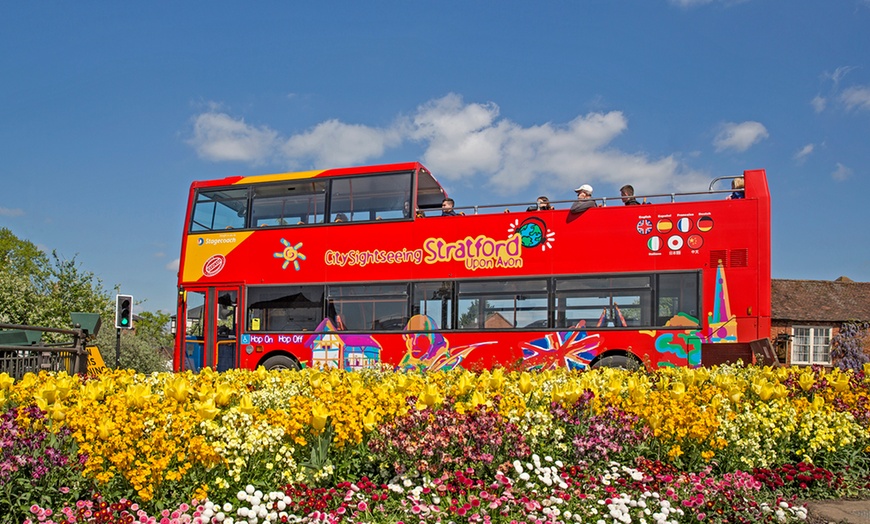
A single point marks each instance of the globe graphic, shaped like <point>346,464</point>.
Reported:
<point>531,234</point>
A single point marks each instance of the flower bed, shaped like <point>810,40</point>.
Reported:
<point>728,444</point>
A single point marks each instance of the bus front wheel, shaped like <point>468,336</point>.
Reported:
<point>280,362</point>
<point>617,361</point>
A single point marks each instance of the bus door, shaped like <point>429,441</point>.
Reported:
<point>212,324</point>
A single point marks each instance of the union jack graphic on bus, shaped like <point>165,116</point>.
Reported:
<point>644,226</point>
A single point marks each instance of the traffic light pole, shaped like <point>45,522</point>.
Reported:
<point>123,320</point>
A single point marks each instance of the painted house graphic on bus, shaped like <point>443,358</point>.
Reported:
<point>329,349</point>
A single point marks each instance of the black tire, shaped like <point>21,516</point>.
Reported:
<point>281,362</point>
<point>617,361</point>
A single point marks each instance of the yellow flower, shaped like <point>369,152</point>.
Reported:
<point>138,395</point>
<point>430,396</point>
<point>735,394</point>
<point>6,381</point>
<point>525,383</point>
<point>319,414</point>
<point>465,383</point>
<point>207,410</point>
<point>478,399</point>
<point>177,388</point>
<point>105,429</point>
<point>496,379</point>
<point>246,405</point>
<point>806,380</point>
<point>369,421</point>
<point>678,390</point>
<point>223,395</point>
<point>839,381</point>
<point>57,413</point>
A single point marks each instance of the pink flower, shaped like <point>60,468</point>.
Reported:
<point>362,506</point>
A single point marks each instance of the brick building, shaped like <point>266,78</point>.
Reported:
<point>807,314</point>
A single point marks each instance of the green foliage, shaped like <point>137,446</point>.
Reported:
<point>137,352</point>
<point>39,290</point>
<point>154,327</point>
<point>22,257</point>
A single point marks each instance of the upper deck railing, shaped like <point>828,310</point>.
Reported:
<point>649,198</point>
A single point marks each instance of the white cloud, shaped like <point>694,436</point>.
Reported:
<point>219,137</point>
<point>805,151</point>
<point>739,137</point>
<point>11,212</point>
<point>839,74</point>
<point>463,142</point>
<point>469,141</point>
<point>819,103</point>
<point>841,173</point>
<point>333,143</point>
<point>173,266</point>
<point>857,97</point>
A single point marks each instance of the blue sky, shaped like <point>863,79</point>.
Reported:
<point>108,110</point>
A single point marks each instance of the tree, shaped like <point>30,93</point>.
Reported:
<point>21,257</point>
<point>39,290</point>
<point>137,353</point>
<point>154,327</point>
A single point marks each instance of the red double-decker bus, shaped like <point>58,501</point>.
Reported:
<point>354,268</point>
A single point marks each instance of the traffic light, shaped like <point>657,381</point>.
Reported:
<point>124,312</point>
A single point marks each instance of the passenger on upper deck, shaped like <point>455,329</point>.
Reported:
<point>627,192</point>
<point>584,199</point>
<point>340,217</point>
<point>737,187</point>
<point>542,205</point>
<point>447,208</point>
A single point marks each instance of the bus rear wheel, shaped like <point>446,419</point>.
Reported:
<point>617,361</point>
<point>281,362</point>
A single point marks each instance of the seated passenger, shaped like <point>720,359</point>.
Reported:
<point>542,204</point>
<point>340,217</point>
<point>584,199</point>
<point>737,188</point>
<point>627,192</point>
<point>447,208</point>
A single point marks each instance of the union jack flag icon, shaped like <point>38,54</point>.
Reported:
<point>644,226</point>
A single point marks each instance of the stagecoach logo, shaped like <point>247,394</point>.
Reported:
<point>214,265</point>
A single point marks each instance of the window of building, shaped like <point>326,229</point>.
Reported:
<point>811,345</point>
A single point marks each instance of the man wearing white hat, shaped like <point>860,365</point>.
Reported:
<point>584,199</point>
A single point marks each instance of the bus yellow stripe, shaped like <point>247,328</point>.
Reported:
<point>278,177</point>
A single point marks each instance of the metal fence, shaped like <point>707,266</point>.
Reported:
<point>21,350</point>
